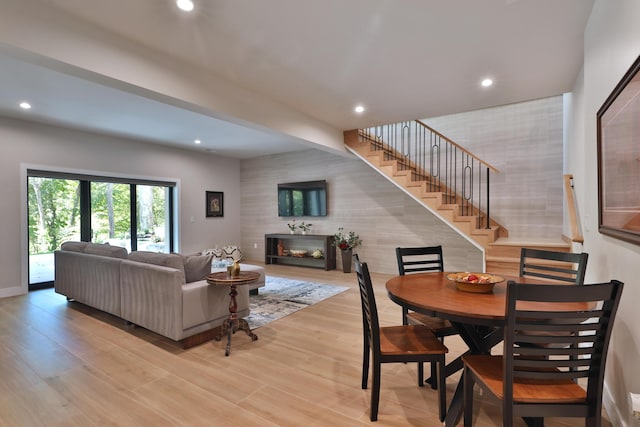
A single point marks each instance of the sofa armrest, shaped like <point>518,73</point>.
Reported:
<point>203,303</point>
<point>152,297</point>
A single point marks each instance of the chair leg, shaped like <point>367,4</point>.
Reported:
<point>405,311</point>
<point>432,380</point>
<point>420,374</point>
<point>467,383</point>
<point>594,421</point>
<point>434,376</point>
<point>375,391</point>
<point>442,388</point>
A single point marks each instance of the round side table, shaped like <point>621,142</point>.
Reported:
<point>233,323</point>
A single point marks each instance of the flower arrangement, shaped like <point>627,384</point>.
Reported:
<point>344,240</point>
<point>292,225</point>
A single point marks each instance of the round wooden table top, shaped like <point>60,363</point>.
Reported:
<point>434,294</point>
<point>243,278</point>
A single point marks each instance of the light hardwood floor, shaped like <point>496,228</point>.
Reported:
<point>63,364</point>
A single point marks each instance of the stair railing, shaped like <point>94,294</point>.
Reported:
<point>458,174</point>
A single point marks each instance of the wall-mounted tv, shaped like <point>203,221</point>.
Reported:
<point>302,198</point>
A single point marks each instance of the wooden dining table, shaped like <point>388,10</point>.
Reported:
<point>479,318</point>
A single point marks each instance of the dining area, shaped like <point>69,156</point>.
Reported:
<point>534,342</point>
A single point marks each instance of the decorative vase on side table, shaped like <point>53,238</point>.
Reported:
<point>347,258</point>
<point>235,268</point>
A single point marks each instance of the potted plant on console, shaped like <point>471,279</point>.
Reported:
<point>304,228</point>
<point>346,242</point>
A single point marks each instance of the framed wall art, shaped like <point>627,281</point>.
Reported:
<point>215,206</point>
<point>618,125</point>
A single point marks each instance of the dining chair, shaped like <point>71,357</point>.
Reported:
<point>419,260</point>
<point>541,381</point>
<point>554,265</point>
<point>395,344</point>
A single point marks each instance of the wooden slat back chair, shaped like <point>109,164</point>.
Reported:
<point>563,266</point>
<point>539,381</point>
<point>389,344</point>
<point>420,260</point>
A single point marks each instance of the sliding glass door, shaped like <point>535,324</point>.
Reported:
<point>152,218</point>
<point>134,214</point>
<point>54,217</point>
<point>111,213</point>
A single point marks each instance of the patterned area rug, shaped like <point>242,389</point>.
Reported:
<point>281,297</point>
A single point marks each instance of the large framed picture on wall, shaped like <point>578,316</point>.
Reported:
<point>618,122</point>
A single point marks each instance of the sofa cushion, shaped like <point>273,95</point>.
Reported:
<point>102,249</point>
<point>165,260</point>
<point>105,250</point>
<point>196,267</point>
<point>73,246</point>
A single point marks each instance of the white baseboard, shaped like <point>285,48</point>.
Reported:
<point>613,410</point>
<point>12,292</point>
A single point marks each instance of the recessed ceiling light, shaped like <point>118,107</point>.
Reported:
<point>486,82</point>
<point>197,141</point>
<point>186,5</point>
<point>359,109</point>
<point>25,105</point>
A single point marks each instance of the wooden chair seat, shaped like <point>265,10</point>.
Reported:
<point>440,327</point>
<point>412,339</point>
<point>489,373</point>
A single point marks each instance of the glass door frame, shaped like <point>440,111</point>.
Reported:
<point>85,208</point>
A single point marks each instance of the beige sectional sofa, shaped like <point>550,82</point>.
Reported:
<point>165,293</point>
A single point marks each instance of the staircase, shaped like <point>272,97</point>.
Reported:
<point>458,195</point>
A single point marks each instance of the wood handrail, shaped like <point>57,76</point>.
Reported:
<point>464,150</point>
<point>576,234</point>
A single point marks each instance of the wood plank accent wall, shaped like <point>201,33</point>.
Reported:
<point>525,142</point>
<point>359,199</point>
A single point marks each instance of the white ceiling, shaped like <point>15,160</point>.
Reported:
<point>402,59</point>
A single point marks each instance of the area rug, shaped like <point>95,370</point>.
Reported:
<point>281,297</point>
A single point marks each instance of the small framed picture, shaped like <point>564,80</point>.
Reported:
<point>214,204</point>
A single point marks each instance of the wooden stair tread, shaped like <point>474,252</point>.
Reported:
<point>531,242</point>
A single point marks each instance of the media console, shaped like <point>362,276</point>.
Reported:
<point>298,244</point>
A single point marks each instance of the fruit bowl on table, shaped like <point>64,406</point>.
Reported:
<point>480,283</point>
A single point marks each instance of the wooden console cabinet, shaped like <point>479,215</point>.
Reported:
<point>309,242</point>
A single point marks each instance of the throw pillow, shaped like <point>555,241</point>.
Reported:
<point>217,253</point>
<point>232,252</point>
<point>196,267</point>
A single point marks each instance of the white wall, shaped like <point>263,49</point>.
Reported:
<point>25,143</point>
<point>612,43</point>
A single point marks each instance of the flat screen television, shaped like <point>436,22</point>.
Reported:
<point>307,198</point>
